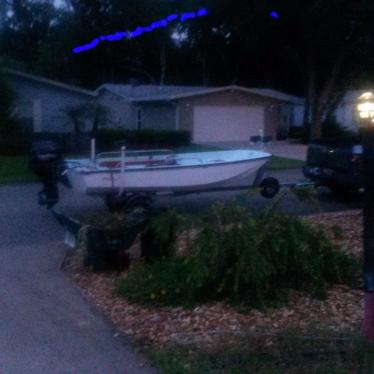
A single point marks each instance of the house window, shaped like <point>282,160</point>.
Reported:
<point>138,118</point>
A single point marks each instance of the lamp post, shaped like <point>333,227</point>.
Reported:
<point>365,109</point>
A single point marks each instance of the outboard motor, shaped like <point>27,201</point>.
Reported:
<point>46,162</point>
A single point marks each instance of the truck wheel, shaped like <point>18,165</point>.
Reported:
<point>339,191</point>
<point>269,187</point>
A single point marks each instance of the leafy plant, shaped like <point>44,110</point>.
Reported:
<point>166,282</point>
<point>331,129</point>
<point>249,261</point>
<point>11,138</point>
<point>160,237</point>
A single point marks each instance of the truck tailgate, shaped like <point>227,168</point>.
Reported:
<point>337,157</point>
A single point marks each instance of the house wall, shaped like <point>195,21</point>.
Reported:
<point>43,105</point>
<point>271,108</point>
<point>159,116</point>
<point>121,114</point>
<point>298,116</point>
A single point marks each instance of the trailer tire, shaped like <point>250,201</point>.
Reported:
<point>115,203</point>
<point>269,187</point>
<point>137,202</point>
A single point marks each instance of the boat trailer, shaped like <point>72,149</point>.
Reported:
<point>47,163</point>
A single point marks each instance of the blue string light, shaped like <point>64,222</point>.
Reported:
<point>274,14</point>
<point>141,30</point>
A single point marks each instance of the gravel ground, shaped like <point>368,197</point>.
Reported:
<point>341,312</point>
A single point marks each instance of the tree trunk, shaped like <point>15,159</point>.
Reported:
<point>323,104</point>
<point>311,91</point>
<point>163,65</point>
<point>205,70</point>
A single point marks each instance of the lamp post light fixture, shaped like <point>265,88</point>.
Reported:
<point>365,109</point>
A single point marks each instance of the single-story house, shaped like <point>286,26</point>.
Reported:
<point>41,103</point>
<point>217,114</point>
<point>210,114</point>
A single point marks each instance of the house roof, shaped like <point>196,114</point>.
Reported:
<point>128,91</point>
<point>49,82</point>
<point>153,93</point>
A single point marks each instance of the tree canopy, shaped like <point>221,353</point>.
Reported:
<point>312,48</point>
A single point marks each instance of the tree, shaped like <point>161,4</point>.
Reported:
<point>86,118</point>
<point>325,41</point>
<point>25,26</point>
<point>8,124</point>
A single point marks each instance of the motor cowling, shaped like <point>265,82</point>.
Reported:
<point>46,162</point>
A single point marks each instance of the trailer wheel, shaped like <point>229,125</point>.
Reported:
<point>115,203</point>
<point>269,187</point>
<point>130,203</point>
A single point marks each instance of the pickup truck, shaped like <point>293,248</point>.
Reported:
<point>337,164</point>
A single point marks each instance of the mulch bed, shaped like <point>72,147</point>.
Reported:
<point>341,311</point>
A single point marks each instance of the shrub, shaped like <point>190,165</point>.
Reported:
<point>249,261</point>
<point>159,239</point>
<point>331,129</point>
<point>12,140</point>
<point>166,282</point>
<point>104,240</point>
<point>298,133</point>
<point>109,138</point>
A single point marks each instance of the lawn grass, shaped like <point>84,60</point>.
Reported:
<point>288,354</point>
<point>14,169</point>
<point>193,148</point>
<point>275,163</point>
<point>280,163</point>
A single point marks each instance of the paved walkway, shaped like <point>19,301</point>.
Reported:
<point>46,324</point>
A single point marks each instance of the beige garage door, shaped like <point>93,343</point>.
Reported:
<point>227,123</point>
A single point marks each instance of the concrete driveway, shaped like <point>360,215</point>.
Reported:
<point>46,324</point>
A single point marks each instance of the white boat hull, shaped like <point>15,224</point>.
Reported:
<point>186,176</point>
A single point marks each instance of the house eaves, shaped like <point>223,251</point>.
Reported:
<point>276,95</point>
<point>50,82</point>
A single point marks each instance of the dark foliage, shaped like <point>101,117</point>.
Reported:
<point>331,129</point>
<point>249,261</point>
<point>107,139</point>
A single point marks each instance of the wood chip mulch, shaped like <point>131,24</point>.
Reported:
<point>341,311</point>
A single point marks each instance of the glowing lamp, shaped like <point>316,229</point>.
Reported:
<point>365,109</point>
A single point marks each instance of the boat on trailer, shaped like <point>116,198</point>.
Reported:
<point>157,171</point>
<point>128,179</point>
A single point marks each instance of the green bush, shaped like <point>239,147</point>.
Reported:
<point>12,140</point>
<point>249,261</point>
<point>109,138</point>
<point>160,237</point>
<point>297,133</point>
<point>331,129</point>
<point>165,282</point>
